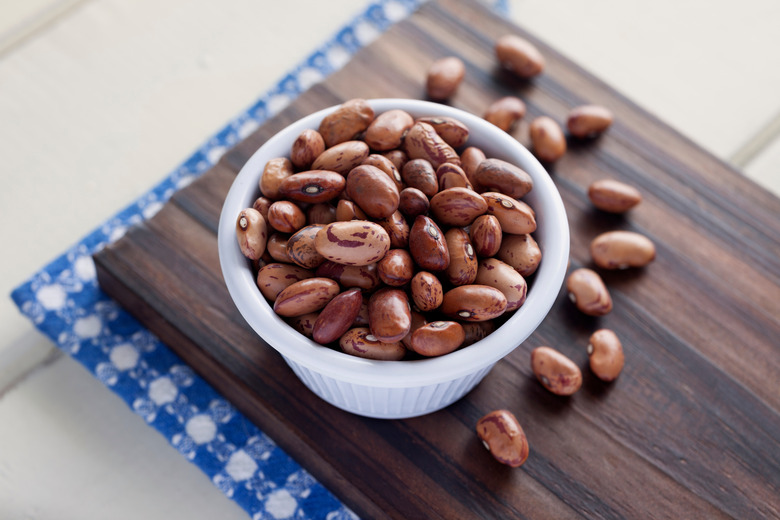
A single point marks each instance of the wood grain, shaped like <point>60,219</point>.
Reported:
<point>691,428</point>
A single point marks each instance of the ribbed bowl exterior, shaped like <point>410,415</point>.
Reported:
<point>387,403</point>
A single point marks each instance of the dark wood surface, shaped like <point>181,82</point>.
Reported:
<point>690,429</point>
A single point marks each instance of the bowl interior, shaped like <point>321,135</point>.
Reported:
<point>552,234</point>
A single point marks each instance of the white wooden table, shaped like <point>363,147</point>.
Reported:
<point>100,99</point>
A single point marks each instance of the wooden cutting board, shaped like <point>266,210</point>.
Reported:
<point>689,430</point>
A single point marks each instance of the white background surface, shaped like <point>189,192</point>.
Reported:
<point>100,99</point>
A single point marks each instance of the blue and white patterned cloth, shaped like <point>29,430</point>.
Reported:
<point>64,301</point>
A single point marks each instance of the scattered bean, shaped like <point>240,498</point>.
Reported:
<point>556,372</point>
<point>547,139</point>
<point>519,56</point>
<point>505,112</point>
<point>588,292</point>
<point>444,77</point>
<point>503,437</point>
<point>621,250</point>
<point>605,353</point>
<point>588,120</point>
<point>613,196</point>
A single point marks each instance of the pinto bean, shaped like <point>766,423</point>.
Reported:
<point>450,129</point>
<point>621,250</point>
<point>363,276</point>
<point>613,196</point>
<point>427,292</point>
<point>277,247</point>
<point>519,56</point>
<point>502,276</point>
<point>312,186</point>
<point>307,147</point>
<point>418,173</point>
<point>427,245</point>
<point>354,242</point>
<point>275,277</point>
<point>503,437</point>
<point>303,323</point>
<point>397,228</point>
<point>556,372</point>
<point>515,216</point>
<point>286,217</point>
<point>473,303</point>
<point>422,142</point>
<point>457,206</point>
<point>274,172</point>
<point>337,316</point>
<point>521,252</point>
<point>346,122</point>
<point>418,320</point>
<point>444,77</point>
<point>388,130</point>
<point>360,342</point>
<point>505,112</point>
<point>477,330</point>
<point>463,262</point>
<point>304,296</point>
<point>413,202</point>
<point>452,176</point>
<point>588,292</point>
<point>485,233</point>
<point>342,157</point>
<point>300,247</point>
<point>389,315</point>
<point>262,204</point>
<point>372,190</point>
<point>605,353</point>
<point>588,120</point>
<point>321,213</point>
<point>503,177</point>
<point>387,166</point>
<point>347,210</point>
<point>547,139</point>
<point>470,160</point>
<point>397,157</point>
<point>252,233</point>
<point>437,338</point>
<point>396,268</point>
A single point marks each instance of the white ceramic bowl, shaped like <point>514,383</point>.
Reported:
<point>398,389</point>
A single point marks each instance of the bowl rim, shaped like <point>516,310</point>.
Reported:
<point>299,349</point>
